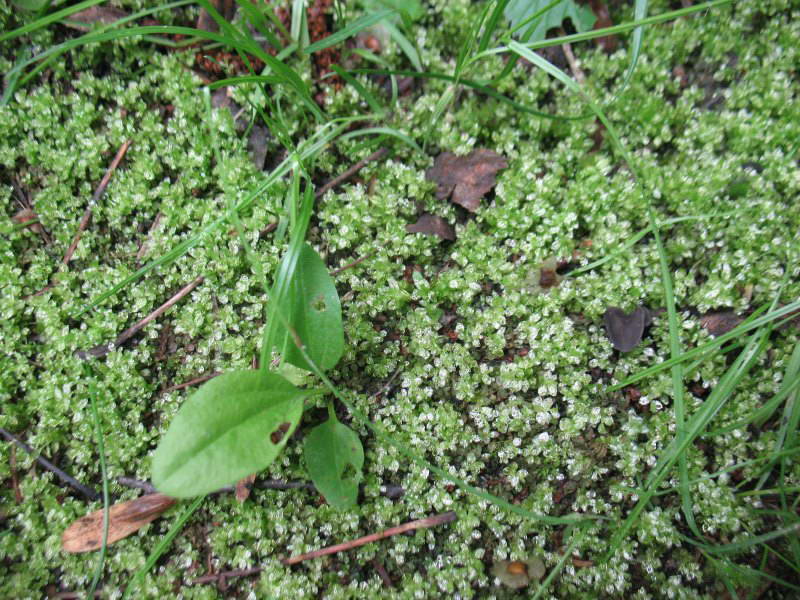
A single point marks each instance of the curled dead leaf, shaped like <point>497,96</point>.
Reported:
<point>625,330</point>
<point>720,323</point>
<point>125,518</point>
<point>466,179</point>
<point>432,225</point>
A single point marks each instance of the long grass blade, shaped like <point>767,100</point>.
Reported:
<point>351,30</point>
<point>162,546</point>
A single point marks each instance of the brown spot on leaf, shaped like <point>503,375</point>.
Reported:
<point>465,179</point>
<point>721,322</point>
<point>277,435</point>
<point>432,225</point>
<point>625,330</point>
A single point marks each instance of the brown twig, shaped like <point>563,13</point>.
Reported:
<point>223,575</point>
<point>12,465</point>
<point>267,484</point>
<point>447,517</point>
<point>387,581</point>
<point>137,484</point>
<point>98,193</point>
<point>123,337</point>
<point>70,481</point>
<point>377,155</point>
<point>573,63</point>
<point>74,595</point>
<point>145,245</point>
<point>352,264</point>
<point>191,382</point>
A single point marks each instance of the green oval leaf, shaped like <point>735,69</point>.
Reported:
<point>315,313</point>
<point>334,457</point>
<point>236,424</point>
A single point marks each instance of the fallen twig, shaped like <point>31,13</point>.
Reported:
<point>104,349</point>
<point>145,245</point>
<point>223,575</point>
<point>447,517</point>
<point>387,581</point>
<point>377,155</point>
<point>267,484</point>
<point>573,64</point>
<point>69,480</point>
<point>352,264</point>
<point>191,382</point>
<point>98,193</point>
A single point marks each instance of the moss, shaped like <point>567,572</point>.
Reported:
<point>509,402</point>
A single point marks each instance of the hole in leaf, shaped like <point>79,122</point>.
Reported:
<point>318,304</point>
<point>277,435</point>
<point>349,472</point>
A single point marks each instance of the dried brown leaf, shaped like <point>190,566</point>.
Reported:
<point>466,179</point>
<point>432,225</point>
<point>625,330</point>
<point>104,15</point>
<point>608,42</point>
<point>243,487</point>
<point>86,534</point>
<point>581,563</point>
<point>721,322</point>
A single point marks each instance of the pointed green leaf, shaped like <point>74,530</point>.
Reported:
<point>334,457</point>
<point>517,11</point>
<point>235,425</point>
<point>314,312</point>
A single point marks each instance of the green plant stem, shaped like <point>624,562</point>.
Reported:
<point>98,432</point>
<point>162,545</point>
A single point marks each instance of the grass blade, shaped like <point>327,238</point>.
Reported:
<point>353,29</point>
<point>162,546</point>
<point>98,432</point>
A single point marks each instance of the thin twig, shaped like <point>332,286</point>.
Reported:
<point>573,64</point>
<point>145,245</point>
<point>104,349</point>
<point>223,575</point>
<point>75,595</point>
<point>387,385</point>
<point>447,517</point>
<point>137,484</point>
<point>98,193</point>
<point>377,155</point>
<point>70,481</point>
<point>267,484</point>
<point>352,264</point>
<point>191,382</point>
<point>387,581</point>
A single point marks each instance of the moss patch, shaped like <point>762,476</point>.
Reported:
<point>499,384</point>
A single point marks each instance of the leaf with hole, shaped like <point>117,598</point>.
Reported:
<point>235,425</point>
<point>334,457</point>
<point>312,308</point>
<point>518,11</point>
